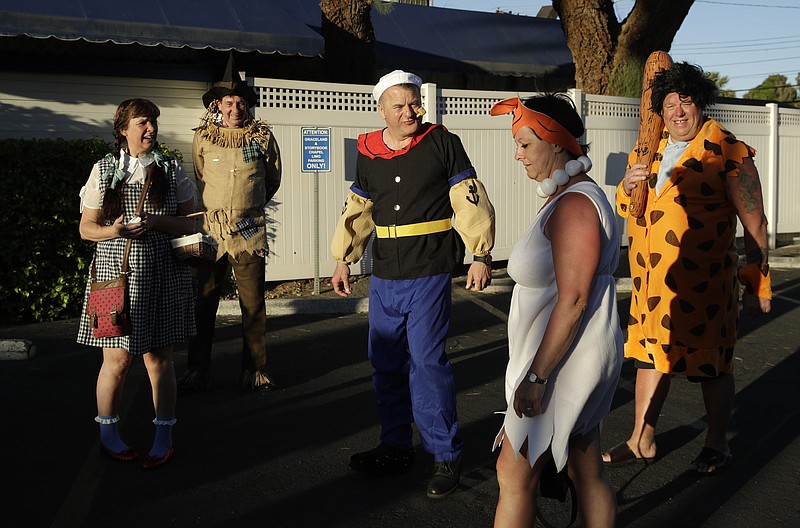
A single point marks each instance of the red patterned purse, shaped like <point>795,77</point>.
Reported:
<point>107,308</point>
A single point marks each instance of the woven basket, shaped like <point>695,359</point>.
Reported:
<point>194,248</point>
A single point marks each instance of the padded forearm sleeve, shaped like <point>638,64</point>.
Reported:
<point>474,215</point>
<point>353,230</point>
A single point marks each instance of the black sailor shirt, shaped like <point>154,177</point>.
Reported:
<point>408,187</point>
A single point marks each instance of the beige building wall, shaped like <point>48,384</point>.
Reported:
<point>35,105</point>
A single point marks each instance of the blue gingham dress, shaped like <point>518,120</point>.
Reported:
<point>160,288</point>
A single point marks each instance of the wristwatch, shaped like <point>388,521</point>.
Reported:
<point>534,378</point>
<point>486,259</point>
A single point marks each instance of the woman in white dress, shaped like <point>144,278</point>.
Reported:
<point>564,336</point>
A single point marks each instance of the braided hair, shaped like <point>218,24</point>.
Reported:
<point>113,197</point>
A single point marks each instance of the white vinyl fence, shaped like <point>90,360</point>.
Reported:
<point>300,244</point>
<point>305,210</point>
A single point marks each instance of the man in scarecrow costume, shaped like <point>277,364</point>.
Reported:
<point>237,165</point>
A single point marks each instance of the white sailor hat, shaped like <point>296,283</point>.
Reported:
<point>394,78</point>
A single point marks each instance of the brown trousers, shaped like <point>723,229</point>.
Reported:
<point>249,271</point>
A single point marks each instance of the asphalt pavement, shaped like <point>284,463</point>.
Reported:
<point>281,459</point>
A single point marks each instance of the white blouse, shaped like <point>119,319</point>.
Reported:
<point>134,173</point>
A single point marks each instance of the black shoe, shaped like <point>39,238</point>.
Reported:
<point>446,476</point>
<point>258,381</point>
<point>383,460</point>
<point>194,380</point>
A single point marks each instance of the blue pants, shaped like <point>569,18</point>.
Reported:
<point>413,379</point>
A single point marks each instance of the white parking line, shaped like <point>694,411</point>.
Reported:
<point>789,299</point>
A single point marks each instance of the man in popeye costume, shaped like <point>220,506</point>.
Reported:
<point>411,179</point>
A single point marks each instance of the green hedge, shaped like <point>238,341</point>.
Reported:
<point>44,261</point>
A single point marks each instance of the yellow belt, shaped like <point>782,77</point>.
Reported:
<point>422,228</point>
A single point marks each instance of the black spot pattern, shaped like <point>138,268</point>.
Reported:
<point>695,223</point>
<point>652,302</point>
<point>680,366</point>
<point>689,264</point>
<point>698,330</point>
<point>655,216</point>
<point>728,355</point>
<point>728,261</point>
<point>707,245</point>
<point>713,147</point>
<point>693,164</point>
<point>672,239</point>
<point>708,370</point>
<point>669,280</point>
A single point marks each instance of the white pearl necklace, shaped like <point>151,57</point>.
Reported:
<point>560,177</point>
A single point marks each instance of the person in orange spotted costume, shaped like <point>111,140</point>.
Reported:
<point>683,260</point>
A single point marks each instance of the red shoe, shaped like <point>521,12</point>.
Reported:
<point>129,455</point>
<point>152,462</point>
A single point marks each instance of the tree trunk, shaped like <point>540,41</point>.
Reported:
<point>609,55</point>
<point>592,32</point>
<point>349,41</point>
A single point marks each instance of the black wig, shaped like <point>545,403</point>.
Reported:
<point>686,80</point>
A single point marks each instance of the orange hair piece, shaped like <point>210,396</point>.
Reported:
<point>542,125</point>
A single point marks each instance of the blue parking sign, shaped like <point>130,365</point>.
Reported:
<point>316,149</point>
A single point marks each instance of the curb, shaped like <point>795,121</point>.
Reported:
<point>301,306</point>
<point>312,305</point>
<point>16,349</point>
<point>779,262</point>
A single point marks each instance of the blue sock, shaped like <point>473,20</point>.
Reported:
<point>109,434</point>
<point>163,439</point>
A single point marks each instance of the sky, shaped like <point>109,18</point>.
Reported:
<point>744,40</point>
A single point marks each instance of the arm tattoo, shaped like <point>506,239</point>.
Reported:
<point>758,256</point>
<point>750,189</point>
